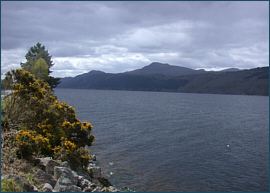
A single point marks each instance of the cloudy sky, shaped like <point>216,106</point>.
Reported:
<point>124,35</point>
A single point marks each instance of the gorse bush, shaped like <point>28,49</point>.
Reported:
<point>47,127</point>
<point>29,141</point>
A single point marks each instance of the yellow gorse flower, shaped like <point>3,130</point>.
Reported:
<point>52,127</point>
<point>66,123</point>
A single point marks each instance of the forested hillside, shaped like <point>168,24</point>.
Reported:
<point>246,82</point>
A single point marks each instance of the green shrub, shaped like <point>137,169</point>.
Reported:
<point>48,127</point>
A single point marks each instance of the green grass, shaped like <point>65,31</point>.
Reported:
<point>9,185</point>
<point>3,103</point>
<point>30,177</point>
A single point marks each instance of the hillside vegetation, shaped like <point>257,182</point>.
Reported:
<point>246,82</point>
<point>159,77</point>
<point>38,125</point>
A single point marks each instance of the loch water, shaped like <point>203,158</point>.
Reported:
<point>177,142</point>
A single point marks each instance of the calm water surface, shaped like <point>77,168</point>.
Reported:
<point>177,142</point>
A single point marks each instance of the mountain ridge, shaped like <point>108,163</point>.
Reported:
<point>152,78</point>
<point>165,69</point>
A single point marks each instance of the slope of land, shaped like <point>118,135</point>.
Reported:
<point>164,77</point>
<point>244,82</point>
<point>166,70</point>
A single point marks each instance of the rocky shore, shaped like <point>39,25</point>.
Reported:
<point>54,176</point>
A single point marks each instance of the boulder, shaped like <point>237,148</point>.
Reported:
<point>94,158</point>
<point>94,172</point>
<point>104,181</point>
<point>47,164</point>
<point>42,162</point>
<point>66,185</point>
<point>81,172</point>
<point>87,189</point>
<point>50,166</point>
<point>90,188</point>
<point>65,173</point>
<point>47,188</point>
<point>71,188</point>
<point>97,189</point>
<point>63,181</point>
<point>41,178</point>
<point>30,188</point>
<point>112,189</point>
<point>65,164</point>
<point>83,183</point>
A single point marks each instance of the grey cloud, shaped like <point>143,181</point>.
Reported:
<point>107,49</point>
<point>121,35</point>
<point>67,73</point>
<point>65,65</point>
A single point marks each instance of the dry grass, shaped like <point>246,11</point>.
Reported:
<point>9,185</point>
<point>10,163</point>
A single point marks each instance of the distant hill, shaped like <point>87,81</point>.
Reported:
<point>166,70</point>
<point>230,70</point>
<point>243,82</point>
<point>160,77</point>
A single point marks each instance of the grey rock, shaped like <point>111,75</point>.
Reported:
<point>65,173</point>
<point>90,188</point>
<point>35,189</point>
<point>75,175</point>
<point>63,181</point>
<point>65,185</point>
<point>83,183</point>
<point>91,164</point>
<point>94,172</point>
<point>104,181</point>
<point>42,162</point>
<point>30,188</point>
<point>71,188</point>
<point>65,164</point>
<point>15,177</point>
<point>87,189</point>
<point>112,189</point>
<point>58,172</point>
<point>97,189</point>
<point>50,166</point>
<point>47,188</point>
<point>94,158</point>
<point>41,178</point>
<point>81,172</point>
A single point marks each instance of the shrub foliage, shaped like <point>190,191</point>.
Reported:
<point>47,127</point>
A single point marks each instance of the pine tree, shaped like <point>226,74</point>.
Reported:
<point>40,69</point>
<point>33,55</point>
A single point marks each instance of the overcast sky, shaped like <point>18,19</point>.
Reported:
<point>124,35</point>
